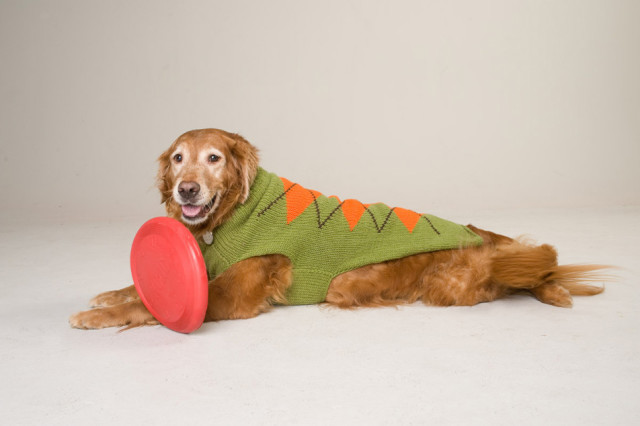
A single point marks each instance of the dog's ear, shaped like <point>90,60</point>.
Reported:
<point>162,179</point>
<point>244,158</point>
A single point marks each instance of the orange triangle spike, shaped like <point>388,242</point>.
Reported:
<point>352,210</point>
<point>298,199</point>
<point>407,217</point>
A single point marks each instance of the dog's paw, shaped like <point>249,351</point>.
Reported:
<point>553,294</point>
<point>93,319</point>
<point>131,314</point>
<point>110,298</point>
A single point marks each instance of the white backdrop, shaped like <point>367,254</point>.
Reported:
<point>438,106</point>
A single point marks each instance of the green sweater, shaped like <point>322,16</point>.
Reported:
<point>323,236</point>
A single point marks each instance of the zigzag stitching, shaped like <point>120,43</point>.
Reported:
<point>273,203</point>
<point>315,202</point>
<point>321,223</point>
<point>375,222</point>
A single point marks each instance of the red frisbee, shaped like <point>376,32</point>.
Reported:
<point>169,274</point>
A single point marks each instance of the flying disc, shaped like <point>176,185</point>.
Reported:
<point>170,274</point>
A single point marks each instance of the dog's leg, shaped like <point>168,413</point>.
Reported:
<point>131,314</point>
<point>249,288</point>
<point>443,278</point>
<point>115,297</point>
<point>243,291</point>
<point>536,269</point>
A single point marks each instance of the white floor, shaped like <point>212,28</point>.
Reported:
<point>509,362</point>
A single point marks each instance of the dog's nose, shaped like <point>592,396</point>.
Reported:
<point>188,190</point>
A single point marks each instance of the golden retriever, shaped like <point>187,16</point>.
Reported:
<point>206,174</point>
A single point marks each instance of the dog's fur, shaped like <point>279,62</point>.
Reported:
<point>212,171</point>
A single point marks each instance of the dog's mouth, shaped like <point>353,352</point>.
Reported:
<point>195,214</point>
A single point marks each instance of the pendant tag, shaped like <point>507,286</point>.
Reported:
<point>208,238</point>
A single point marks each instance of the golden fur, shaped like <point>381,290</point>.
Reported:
<point>222,166</point>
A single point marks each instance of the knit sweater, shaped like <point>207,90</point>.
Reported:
<point>323,236</point>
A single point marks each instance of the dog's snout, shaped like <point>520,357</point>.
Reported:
<point>188,190</point>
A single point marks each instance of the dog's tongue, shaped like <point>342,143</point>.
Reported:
<point>191,211</point>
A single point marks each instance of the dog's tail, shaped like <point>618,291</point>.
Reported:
<point>575,278</point>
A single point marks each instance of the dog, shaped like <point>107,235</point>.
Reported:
<point>207,177</point>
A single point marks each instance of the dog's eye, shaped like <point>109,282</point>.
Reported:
<point>177,158</point>
<point>214,158</point>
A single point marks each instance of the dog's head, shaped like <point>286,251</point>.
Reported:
<point>204,174</point>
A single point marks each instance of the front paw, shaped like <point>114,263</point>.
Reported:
<point>130,314</point>
<point>94,319</point>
